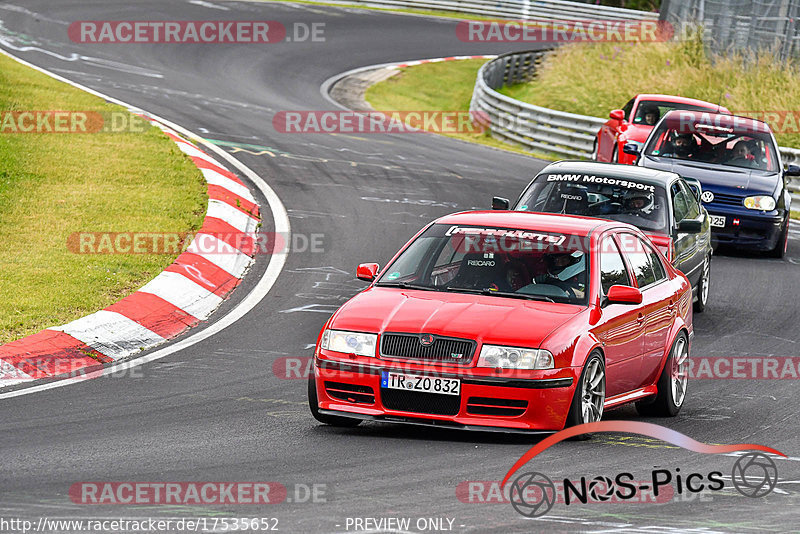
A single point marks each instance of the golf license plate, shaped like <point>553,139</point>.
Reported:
<point>717,221</point>
<point>424,384</point>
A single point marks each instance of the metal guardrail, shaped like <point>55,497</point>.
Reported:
<point>520,9</point>
<point>533,127</point>
<point>540,129</point>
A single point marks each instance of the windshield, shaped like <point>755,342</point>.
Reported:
<point>648,112</point>
<point>501,262</point>
<point>619,199</point>
<point>719,144</point>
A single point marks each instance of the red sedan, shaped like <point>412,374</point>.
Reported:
<point>510,321</point>
<point>634,122</point>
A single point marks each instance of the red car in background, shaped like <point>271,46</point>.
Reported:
<point>634,122</point>
<point>510,321</point>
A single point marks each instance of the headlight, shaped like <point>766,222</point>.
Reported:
<point>349,342</point>
<point>514,358</point>
<point>761,202</point>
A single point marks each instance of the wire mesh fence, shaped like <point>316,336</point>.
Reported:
<point>739,25</point>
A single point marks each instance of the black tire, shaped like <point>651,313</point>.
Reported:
<point>577,415</point>
<point>595,149</point>
<point>703,286</point>
<point>332,420</point>
<point>664,404</point>
<point>782,244</point>
<point>615,154</point>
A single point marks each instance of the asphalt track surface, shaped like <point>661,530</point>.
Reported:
<point>216,411</point>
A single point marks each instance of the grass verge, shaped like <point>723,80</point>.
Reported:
<point>54,185</point>
<point>443,86</point>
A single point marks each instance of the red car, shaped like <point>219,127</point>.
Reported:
<point>511,321</point>
<point>634,122</point>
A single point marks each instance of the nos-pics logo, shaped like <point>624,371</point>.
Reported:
<point>533,494</point>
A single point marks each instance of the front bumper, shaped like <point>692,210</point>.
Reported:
<point>516,401</point>
<point>755,231</point>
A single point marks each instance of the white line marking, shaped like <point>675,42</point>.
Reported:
<point>182,293</point>
<point>276,262</point>
<point>98,62</point>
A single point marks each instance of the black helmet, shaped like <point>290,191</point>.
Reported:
<point>686,147</point>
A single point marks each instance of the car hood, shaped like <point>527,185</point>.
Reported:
<point>487,319</point>
<point>718,177</point>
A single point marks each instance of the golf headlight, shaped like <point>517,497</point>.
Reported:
<point>349,342</point>
<point>761,202</point>
<point>514,358</point>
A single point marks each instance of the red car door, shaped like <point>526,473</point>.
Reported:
<point>658,302</point>
<point>621,326</point>
<point>661,304</point>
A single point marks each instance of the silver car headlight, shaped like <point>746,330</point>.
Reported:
<point>515,358</point>
<point>349,342</point>
<point>760,202</point>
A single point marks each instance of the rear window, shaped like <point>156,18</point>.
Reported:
<point>606,197</point>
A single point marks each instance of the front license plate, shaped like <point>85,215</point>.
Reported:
<point>425,384</point>
<point>717,221</point>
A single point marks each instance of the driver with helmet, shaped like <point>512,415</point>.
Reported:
<point>564,270</point>
<point>682,146</point>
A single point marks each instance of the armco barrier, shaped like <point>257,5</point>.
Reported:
<point>542,129</point>
<point>533,127</point>
<point>520,9</point>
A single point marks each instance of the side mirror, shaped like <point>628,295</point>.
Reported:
<point>792,170</point>
<point>631,148</point>
<point>690,226</point>
<point>624,295</point>
<point>367,271</point>
<point>617,115</point>
<point>500,203</point>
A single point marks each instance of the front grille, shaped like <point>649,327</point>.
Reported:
<point>350,392</point>
<point>417,402</point>
<point>496,407</point>
<point>728,200</point>
<point>443,349</point>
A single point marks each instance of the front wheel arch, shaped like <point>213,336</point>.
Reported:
<point>575,416</point>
